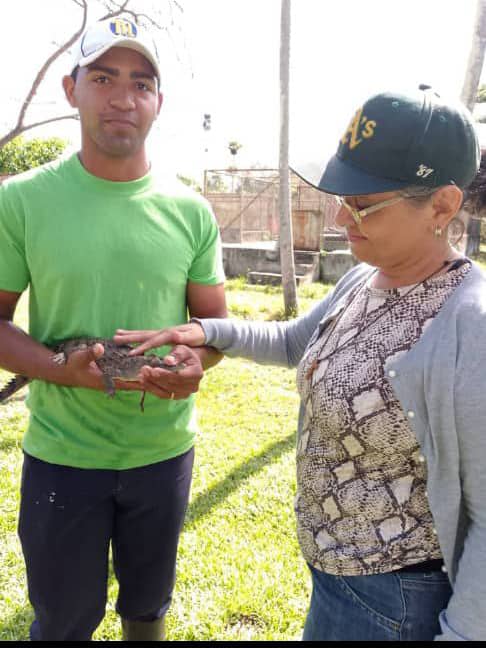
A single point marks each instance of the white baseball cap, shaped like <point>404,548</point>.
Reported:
<point>115,32</point>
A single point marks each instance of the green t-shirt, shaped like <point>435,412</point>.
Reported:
<point>97,256</point>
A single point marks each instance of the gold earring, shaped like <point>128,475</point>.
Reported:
<point>438,231</point>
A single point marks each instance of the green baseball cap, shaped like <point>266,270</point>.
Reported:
<point>397,140</point>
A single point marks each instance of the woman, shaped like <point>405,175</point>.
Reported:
<point>391,447</point>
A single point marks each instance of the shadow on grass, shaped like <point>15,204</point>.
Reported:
<point>206,501</point>
<point>16,627</point>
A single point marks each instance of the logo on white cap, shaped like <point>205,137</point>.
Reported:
<point>125,28</point>
<point>104,34</point>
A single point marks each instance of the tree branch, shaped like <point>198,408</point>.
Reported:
<point>17,131</point>
<point>112,13</point>
<point>42,72</point>
<point>137,15</point>
<point>113,9</point>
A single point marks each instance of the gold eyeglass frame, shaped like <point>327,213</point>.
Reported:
<point>359,214</point>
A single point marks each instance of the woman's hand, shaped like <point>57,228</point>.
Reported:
<point>191,335</point>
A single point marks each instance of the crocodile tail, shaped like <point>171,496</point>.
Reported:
<point>12,386</point>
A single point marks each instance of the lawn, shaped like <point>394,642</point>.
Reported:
<point>240,572</point>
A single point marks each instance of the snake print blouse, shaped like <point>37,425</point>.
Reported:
<point>361,499</point>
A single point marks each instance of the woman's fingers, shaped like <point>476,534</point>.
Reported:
<point>145,340</point>
<point>188,334</point>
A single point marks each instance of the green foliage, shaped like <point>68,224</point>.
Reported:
<point>21,155</point>
<point>234,147</point>
<point>215,184</point>
<point>481,96</point>
<point>190,182</point>
<point>236,284</point>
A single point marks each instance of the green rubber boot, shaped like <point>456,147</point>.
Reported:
<point>143,630</point>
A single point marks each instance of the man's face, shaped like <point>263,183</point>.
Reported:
<point>118,100</point>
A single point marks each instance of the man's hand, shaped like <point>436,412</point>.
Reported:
<point>81,370</point>
<point>191,335</point>
<point>170,384</point>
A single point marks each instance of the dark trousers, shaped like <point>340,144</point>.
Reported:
<point>69,516</point>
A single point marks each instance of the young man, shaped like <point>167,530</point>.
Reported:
<point>103,243</point>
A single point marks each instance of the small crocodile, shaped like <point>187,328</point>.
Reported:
<point>114,364</point>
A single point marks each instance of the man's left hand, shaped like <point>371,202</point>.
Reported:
<point>174,385</point>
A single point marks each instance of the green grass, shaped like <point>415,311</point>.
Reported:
<point>247,301</point>
<point>240,574</point>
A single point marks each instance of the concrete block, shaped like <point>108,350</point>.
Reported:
<point>334,241</point>
<point>272,278</point>
<point>335,264</point>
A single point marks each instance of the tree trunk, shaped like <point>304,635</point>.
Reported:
<point>473,246</point>
<point>476,58</point>
<point>285,201</point>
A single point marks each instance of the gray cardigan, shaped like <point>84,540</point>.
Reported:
<point>441,385</point>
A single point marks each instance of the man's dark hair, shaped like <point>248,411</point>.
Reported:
<point>74,73</point>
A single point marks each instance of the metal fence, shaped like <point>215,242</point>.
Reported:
<point>245,202</point>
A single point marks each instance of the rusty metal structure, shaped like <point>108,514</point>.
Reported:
<point>245,202</point>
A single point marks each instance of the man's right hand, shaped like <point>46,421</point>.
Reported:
<point>21,354</point>
<point>81,370</point>
<point>191,335</point>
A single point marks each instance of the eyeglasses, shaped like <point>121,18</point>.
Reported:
<point>359,214</point>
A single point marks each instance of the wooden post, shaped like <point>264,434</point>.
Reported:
<point>476,58</point>
<point>285,207</point>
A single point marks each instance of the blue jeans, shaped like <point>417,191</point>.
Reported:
<point>398,606</point>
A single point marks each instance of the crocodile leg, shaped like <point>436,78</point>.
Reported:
<point>109,384</point>
<point>59,358</point>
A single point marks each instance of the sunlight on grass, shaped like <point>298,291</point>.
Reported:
<point>240,572</point>
<point>248,301</point>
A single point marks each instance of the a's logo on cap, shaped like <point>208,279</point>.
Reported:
<point>121,27</point>
<point>360,128</point>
